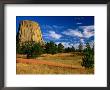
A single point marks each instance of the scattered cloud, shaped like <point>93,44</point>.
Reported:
<point>82,41</point>
<point>47,27</point>
<point>91,44</point>
<point>73,36</point>
<point>79,23</point>
<point>91,27</point>
<point>87,32</point>
<point>72,32</point>
<point>52,27</point>
<point>57,27</point>
<point>54,35</point>
<point>76,45</point>
<point>50,31</point>
<point>67,44</point>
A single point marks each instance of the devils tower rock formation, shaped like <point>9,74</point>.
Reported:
<point>29,31</point>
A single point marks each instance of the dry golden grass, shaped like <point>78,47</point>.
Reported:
<point>47,65</point>
<point>65,58</point>
<point>45,69</point>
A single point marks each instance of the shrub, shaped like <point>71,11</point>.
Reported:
<point>88,59</point>
<point>32,49</point>
<point>51,48</point>
<point>60,48</point>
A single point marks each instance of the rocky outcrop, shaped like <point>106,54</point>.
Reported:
<point>29,31</point>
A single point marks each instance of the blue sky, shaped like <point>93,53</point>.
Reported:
<point>68,30</point>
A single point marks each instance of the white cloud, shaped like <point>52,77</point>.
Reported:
<point>91,44</point>
<point>50,31</point>
<point>72,32</point>
<point>76,45</point>
<point>57,27</point>
<point>54,35</point>
<point>52,27</point>
<point>66,44</point>
<point>82,41</point>
<point>88,34</point>
<point>47,27</point>
<point>57,43</point>
<point>88,31</point>
<point>78,23</point>
<point>77,33</point>
<point>91,27</point>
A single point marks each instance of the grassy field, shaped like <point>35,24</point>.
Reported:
<point>70,59</point>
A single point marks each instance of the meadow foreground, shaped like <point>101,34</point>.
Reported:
<point>61,63</point>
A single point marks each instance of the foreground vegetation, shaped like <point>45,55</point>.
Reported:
<point>33,50</point>
<point>45,69</point>
<point>72,59</point>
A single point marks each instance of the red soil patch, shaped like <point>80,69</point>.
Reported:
<point>34,61</point>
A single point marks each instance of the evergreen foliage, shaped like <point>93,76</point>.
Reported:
<point>60,48</point>
<point>31,49</point>
<point>80,47</point>
<point>88,59</point>
<point>51,48</point>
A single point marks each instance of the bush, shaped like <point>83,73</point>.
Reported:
<point>69,49</point>
<point>88,59</point>
<point>51,48</point>
<point>31,49</point>
<point>60,48</point>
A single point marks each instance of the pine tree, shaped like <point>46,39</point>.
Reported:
<point>32,49</point>
<point>88,59</point>
<point>80,47</point>
<point>60,48</point>
<point>68,49</point>
<point>51,48</point>
<point>72,49</point>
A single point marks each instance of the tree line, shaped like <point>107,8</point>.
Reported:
<point>32,47</point>
<point>33,50</point>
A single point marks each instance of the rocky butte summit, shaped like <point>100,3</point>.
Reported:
<point>29,31</point>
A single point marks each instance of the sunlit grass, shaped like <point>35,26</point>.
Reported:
<point>64,58</point>
<point>45,69</point>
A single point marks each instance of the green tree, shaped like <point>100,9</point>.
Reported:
<point>68,49</point>
<point>88,58</point>
<point>51,48</point>
<point>32,49</point>
<point>60,48</point>
<point>17,44</point>
<point>80,47</point>
<point>72,49</point>
<point>18,48</point>
<point>37,50</point>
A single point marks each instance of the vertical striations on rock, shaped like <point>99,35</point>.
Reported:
<point>29,31</point>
